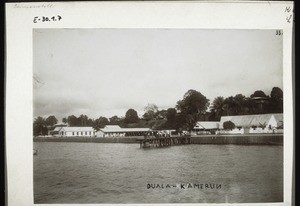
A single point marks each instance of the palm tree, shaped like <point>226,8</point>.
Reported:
<point>230,106</point>
<point>39,126</point>
<point>218,107</point>
<point>239,100</point>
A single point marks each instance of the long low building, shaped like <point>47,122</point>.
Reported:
<point>117,131</point>
<point>244,124</point>
<point>76,132</point>
<point>261,123</point>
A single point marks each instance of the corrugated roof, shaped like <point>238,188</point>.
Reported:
<point>116,128</point>
<point>136,129</point>
<point>56,129</point>
<point>78,129</point>
<point>207,125</point>
<point>60,124</point>
<point>112,127</point>
<point>250,120</point>
<point>279,119</point>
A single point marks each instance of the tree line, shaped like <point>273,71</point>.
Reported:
<point>193,107</point>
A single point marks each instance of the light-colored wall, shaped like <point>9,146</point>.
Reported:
<point>272,122</point>
<point>258,130</point>
<point>114,135</point>
<point>102,134</point>
<point>234,131</point>
<point>271,127</point>
<point>99,134</point>
<point>79,134</point>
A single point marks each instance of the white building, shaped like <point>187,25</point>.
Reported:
<point>206,127</point>
<point>261,123</point>
<point>56,128</point>
<point>165,132</point>
<point>76,132</point>
<point>117,131</point>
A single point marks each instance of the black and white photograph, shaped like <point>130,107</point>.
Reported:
<point>157,116</point>
<point>118,112</point>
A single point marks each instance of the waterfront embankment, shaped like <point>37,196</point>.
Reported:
<point>87,139</point>
<point>256,139</point>
<point>264,139</point>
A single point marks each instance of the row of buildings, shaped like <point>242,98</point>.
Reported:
<point>244,124</point>
<point>62,130</point>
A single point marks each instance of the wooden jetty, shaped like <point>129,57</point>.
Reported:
<point>154,141</point>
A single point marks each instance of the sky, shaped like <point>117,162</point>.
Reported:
<point>105,72</point>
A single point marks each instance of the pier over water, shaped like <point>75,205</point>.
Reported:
<point>154,141</point>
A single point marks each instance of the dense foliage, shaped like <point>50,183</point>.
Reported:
<point>131,116</point>
<point>193,107</point>
<point>228,125</point>
<point>151,112</point>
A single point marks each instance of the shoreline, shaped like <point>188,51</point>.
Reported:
<point>245,139</point>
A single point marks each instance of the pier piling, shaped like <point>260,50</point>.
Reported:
<point>153,141</point>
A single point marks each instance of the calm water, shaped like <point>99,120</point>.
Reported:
<point>119,173</point>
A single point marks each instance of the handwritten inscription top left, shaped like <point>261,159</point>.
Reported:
<point>30,6</point>
<point>37,19</point>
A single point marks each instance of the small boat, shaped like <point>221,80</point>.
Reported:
<point>35,152</point>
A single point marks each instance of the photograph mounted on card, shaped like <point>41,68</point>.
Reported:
<point>150,103</point>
